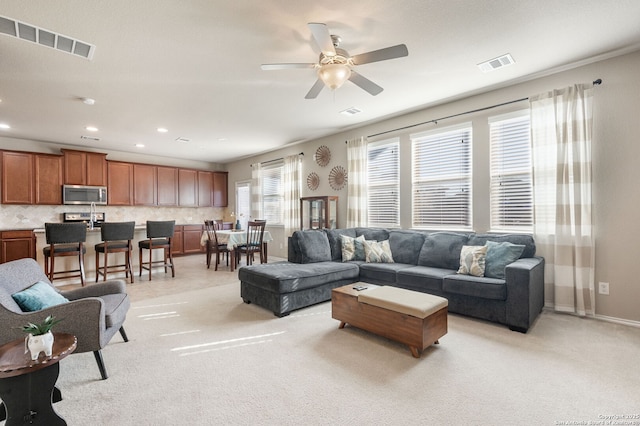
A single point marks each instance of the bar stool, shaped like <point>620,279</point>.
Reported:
<point>159,236</point>
<point>116,237</point>
<point>64,239</point>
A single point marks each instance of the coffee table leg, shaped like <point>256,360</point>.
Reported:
<point>342,324</point>
<point>414,352</point>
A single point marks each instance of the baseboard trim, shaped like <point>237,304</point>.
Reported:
<point>615,320</point>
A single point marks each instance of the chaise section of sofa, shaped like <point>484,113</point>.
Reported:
<point>511,293</point>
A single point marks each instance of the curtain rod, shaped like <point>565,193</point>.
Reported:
<point>275,159</point>
<point>596,82</point>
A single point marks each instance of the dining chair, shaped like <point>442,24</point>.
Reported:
<point>213,246</point>
<point>159,236</point>
<point>64,239</point>
<point>254,244</point>
<point>116,238</point>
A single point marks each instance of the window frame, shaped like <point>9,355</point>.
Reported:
<point>276,196</point>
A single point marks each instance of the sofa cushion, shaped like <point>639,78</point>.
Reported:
<point>375,234</point>
<point>499,255</point>
<point>406,245</point>
<point>335,243</point>
<point>523,239</point>
<point>352,248</point>
<point>422,278</point>
<point>313,246</point>
<point>39,296</point>
<point>480,287</point>
<point>380,273</point>
<point>286,277</point>
<point>472,260</point>
<point>442,250</point>
<point>377,252</point>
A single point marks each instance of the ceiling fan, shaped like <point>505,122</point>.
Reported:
<point>335,65</point>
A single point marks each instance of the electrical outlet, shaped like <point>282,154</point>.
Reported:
<point>603,288</point>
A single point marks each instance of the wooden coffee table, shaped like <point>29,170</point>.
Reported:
<point>390,321</point>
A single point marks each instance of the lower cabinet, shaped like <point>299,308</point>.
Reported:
<point>186,239</point>
<point>17,244</point>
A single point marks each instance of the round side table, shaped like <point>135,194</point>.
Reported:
<point>27,388</point>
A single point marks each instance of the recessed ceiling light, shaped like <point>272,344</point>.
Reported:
<point>88,101</point>
<point>91,128</point>
<point>4,126</point>
<point>162,130</point>
<point>139,145</point>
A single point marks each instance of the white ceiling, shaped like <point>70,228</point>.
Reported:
<point>193,66</point>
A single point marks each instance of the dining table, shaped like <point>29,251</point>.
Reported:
<point>233,238</point>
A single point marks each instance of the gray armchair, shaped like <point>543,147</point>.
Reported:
<point>93,314</point>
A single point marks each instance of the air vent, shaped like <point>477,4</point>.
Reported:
<point>183,140</point>
<point>47,38</point>
<point>495,63</point>
<point>351,111</point>
<point>90,138</point>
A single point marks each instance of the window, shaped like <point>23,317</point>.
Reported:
<point>511,187</point>
<point>383,184</point>
<point>272,193</point>
<point>243,202</point>
<point>441,187</point>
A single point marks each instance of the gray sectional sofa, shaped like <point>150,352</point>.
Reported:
<point>422,261</point>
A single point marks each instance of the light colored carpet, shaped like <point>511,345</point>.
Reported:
<point>202,357</point>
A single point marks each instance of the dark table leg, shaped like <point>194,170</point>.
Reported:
<point>28,398</point>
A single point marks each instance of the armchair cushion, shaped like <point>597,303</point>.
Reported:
<point>39,296</point>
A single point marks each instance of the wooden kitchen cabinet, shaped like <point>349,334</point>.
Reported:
<point>48,179</point>
<point>177,242</point>
<point>85,168</point>
<point>17,244</point>
<point>120,183</point>
<point>191,235</point>
<point>145,185</point>
<point>167,186</point>
<point>17,178</point>
<point>187,187</point>
<point>205,189</point>
<point>220,189</point>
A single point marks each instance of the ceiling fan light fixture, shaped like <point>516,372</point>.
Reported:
<point>334,75</point>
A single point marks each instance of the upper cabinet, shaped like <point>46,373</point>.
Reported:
<point>145,185</point>
<point>187,188</point>
<point>205,189</point>
<point>120,183</point>
<point>17,178</point>
<point>85,168</point>
<point>48,179</point>
<point>220,191</point>
<point>167,186</point>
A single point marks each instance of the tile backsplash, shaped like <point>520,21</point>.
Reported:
<point>35,216</point>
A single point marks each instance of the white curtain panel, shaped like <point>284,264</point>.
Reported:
<point>256,191</point>
<point>291,182</point>
<point>357,182</point>
<point>561,129</point>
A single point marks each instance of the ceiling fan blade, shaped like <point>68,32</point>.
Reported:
<point>392,52</point>
<point>364,83</point>
<point>323,38</point>
<point>315,89</point>
<point>269,67</point>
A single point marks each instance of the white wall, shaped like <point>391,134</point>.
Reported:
<point>615,150</point>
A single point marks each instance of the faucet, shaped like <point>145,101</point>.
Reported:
<point>92,214</point>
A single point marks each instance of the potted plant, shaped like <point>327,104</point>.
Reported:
<point>40,338</point>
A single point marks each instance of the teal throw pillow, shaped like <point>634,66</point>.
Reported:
<point>378,251</point>
<point>352,248</point>
<point>499,255</point>
<point>39,296</point>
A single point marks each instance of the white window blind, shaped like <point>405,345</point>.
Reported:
<point>441,188</point>
<point>272,193</point>
<point>511,187</point>
<point>383,184</point>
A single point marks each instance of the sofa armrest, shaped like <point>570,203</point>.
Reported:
<point>96,290</point>
<point>525,292</point>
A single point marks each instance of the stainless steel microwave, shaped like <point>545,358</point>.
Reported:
<point>82,194</point>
